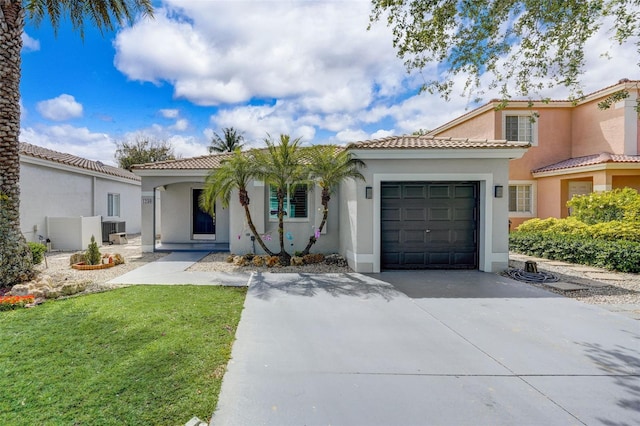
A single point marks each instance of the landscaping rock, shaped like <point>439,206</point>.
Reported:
<point>296,261</point>
<point>77,258</point>
<point>20,290</point>
<point>335,259</point>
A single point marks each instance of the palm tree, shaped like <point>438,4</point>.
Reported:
<point>282,166</point>
<point>329,166</point>
<point>15,256</point>
<point>231,140</point>
<point>235,172</point>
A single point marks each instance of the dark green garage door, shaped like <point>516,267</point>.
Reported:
<point>429,225</point>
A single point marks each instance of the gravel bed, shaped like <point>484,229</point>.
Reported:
<point>59,272</point>
<point>217,262</point>
<point>623,290</point>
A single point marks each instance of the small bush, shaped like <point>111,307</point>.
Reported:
<point>92,254</point>
<point>37,251</point>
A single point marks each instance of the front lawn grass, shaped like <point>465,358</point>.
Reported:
<point>152,355</point>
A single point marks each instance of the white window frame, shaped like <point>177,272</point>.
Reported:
<point>113,204</point>
<point>287,218</point>
<point>533,194</point>
<point>530,115</point>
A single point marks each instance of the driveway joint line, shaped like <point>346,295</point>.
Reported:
<point>522,378</point>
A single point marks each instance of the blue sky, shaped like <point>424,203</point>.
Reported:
<point>306,68</point>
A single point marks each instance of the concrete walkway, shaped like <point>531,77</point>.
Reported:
<point>172,269</point>
<point>443,348</point>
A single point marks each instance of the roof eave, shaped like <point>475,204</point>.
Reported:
<point>588,168</point>
<point>438,153</point>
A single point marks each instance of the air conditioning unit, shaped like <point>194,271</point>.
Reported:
<point>118,238</point>
<point>112,227</point>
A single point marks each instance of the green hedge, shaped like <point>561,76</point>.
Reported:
<point>623,256</point>
<point>611,231</point>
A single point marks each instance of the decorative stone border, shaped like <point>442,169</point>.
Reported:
<point>83,267</point>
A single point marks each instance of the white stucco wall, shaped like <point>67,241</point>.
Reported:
<point>300,229</point>
<point>176,214</point>
<point>49,191</point>
<point>362,248</point>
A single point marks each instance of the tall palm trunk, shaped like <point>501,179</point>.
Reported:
<point>15,256</point>
<point>284,256</point>
<point>326,197</point>
<point>244,201</point>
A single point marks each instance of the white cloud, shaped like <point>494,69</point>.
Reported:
<point>348,136</point>
<point>169,113</point>
<point>180,125</point>
<point>29,44</point>
<point>382,134</point>
<point>224,52</point>
<point>62,108</point>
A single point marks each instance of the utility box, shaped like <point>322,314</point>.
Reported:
<point>118,238</point>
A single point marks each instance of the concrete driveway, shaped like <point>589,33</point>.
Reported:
<point>426,348</point>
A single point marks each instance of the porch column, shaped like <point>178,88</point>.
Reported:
<point>602,181</point>
<point>148,221</point>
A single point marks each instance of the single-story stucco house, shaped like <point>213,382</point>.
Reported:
<point>68,199</point>
<point>426,202</point>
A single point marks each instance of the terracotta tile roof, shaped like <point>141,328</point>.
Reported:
<point>434,142</point>
<point>35,151</point>
<point>589,160</point>
<point>204,162</point>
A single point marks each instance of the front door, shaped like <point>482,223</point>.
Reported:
<point>203,225</point>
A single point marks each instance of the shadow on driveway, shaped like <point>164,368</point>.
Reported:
<point>266,286</point>
<point>459,284</point>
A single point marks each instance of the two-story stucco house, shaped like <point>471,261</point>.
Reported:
<point>576,147</point>
<point>425,203</point>
<point>67,198</point>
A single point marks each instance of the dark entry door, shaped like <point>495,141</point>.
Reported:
<point>429,225</point>
<point>203,225</point>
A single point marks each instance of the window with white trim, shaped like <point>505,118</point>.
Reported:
<point>520,199</point>
<point>295,202</point>
<point>113,205</point>
<point>520,126</point>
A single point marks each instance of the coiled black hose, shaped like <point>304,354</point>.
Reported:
<point>532,277</point>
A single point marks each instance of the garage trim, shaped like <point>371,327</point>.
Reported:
<point>485,210</point>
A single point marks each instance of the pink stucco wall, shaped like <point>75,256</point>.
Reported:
<point>554,143</point>
<point>482,126</point>
<point>596,131</point>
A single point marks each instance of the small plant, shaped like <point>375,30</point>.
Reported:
<point>93,255</point>
<point>37,251</point>
<point>8,303</point>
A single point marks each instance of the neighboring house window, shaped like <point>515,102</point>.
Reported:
<point>295,202</point>
<point>520,199</point>
<point>520,126</point>
<point>113,204</point>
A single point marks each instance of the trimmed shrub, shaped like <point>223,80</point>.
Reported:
<point>37,251</point>
<point>606,206</point>
<point>92,254</point>
<point>623,256</point>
